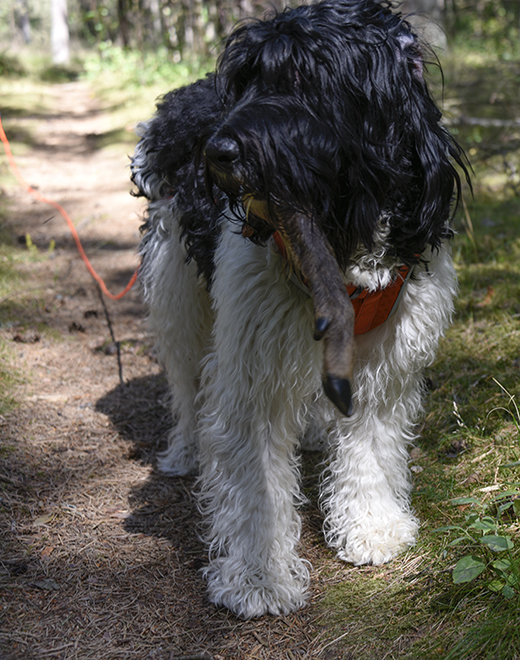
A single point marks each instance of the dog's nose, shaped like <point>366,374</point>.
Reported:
<point>222,152</point>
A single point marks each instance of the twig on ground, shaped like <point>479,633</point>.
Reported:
<point>112,335</point>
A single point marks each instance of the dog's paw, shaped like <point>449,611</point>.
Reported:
<point>378,541</point>
<point>180,459</point>
<point>250,593</point>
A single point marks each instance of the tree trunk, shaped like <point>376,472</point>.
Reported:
<point>155,11</point>
<point>124,29</point>
<point>23,22</point>
<point>59,32</point>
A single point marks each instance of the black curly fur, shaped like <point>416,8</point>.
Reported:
<point>184,118</point>
<point>332,116</point>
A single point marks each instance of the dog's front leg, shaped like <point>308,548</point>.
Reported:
<point>254,385</point>
<point>366,496</point>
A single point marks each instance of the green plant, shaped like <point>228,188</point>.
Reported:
<point>135,69</point>
<point>10,66</point>
<point>491,553</point>
<point>495,637</point>
<point>33,250</point>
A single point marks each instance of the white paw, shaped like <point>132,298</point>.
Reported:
<point>250,592</point>
<point>378,541</point>
<point>180,459</point>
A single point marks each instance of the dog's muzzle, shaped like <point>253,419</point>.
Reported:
<point>222,155</point>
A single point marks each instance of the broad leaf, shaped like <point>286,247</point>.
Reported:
<point>496,586</point>
<point>497,543</point>
<point>461,539</point>
<point>486,524</point>
<point>507,493</point>
<point>501,564</point>
<point>467,569</point>
<point>504,507</point>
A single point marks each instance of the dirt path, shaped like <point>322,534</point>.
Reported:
<point>100,554</point>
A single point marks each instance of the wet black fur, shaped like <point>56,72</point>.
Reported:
<point>333,118</point>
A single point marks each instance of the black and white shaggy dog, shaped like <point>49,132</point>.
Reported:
<point>297,268</point>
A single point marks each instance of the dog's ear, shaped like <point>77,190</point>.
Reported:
<point>430,170</point>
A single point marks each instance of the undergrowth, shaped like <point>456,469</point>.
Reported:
<point>130,82</point>
<point>467,489</point>
<point>130,69</point>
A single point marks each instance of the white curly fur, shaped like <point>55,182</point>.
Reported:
<point>246,388</point>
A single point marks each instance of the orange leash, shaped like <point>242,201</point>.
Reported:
<point>64,215</point>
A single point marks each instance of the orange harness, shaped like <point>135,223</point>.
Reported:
<point>372,308</point>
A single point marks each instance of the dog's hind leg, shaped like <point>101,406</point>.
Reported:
<point>256,384</point>
<point>366,495</point>
<point>321,419</point>
<point>180,316</point>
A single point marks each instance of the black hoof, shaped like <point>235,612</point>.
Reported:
<point>320,327</point>
<point>339,392</point>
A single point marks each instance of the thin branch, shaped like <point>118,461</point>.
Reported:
<point>112,335</point>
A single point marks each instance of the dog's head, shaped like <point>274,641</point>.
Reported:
<point>329,127</point>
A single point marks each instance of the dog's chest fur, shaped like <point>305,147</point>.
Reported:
<point>374,269</point>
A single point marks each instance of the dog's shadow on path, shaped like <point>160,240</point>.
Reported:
<point>161,506</point>
<point>164,506</point>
